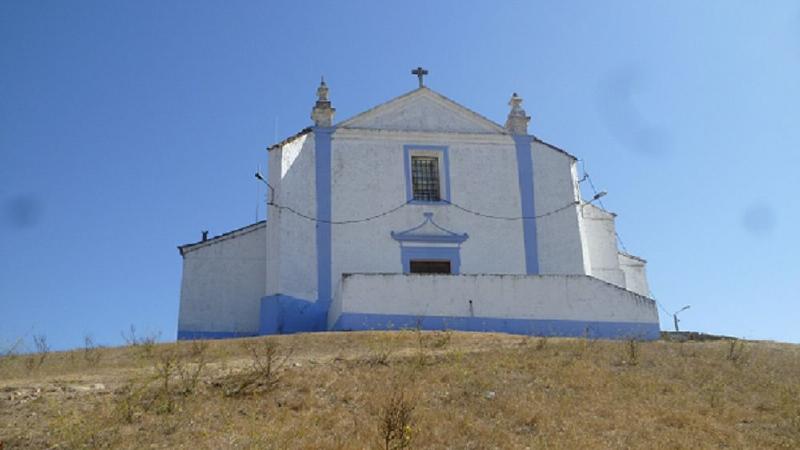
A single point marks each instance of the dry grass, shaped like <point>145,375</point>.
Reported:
<point>406,389</point>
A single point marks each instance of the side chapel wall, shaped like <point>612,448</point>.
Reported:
<point>222,284</point>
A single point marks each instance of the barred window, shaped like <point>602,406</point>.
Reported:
<point>425,178</point>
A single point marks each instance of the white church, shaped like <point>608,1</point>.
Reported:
<point>418,213</point>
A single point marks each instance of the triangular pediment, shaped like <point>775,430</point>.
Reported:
<point>429,231</point>
<point>423,110</point>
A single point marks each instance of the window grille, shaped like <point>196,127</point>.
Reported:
<point>425,178</point>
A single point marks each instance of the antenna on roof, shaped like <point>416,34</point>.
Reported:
<point>258,192</point>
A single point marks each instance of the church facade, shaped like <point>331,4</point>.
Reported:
<point>418,213</point>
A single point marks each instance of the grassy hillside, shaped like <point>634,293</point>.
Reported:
<point>405,389</point>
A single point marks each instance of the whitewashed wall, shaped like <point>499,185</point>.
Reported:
<point>601,238</point>
<point>558,235</point>
<point>369,178</point>
<point>292,267</point>
<point>223,282</point>
<point>635,274</point>
<point>557,297</point>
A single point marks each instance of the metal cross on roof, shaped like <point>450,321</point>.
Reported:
<point>419,72</point>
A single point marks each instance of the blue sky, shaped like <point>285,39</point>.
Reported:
<point>128,127</point>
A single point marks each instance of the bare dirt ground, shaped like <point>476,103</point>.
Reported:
<point>405,389</point>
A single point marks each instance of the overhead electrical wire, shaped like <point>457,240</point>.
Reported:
<point>587,177</point>
<point>489,216</point>
<point>398,207</point>
<point>336,222</point>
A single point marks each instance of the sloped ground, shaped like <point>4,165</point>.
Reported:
<point>407,388</point>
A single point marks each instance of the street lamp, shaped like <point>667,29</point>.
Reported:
<point>598,196</point>
<point>675,316</point>
<point>271,189</point>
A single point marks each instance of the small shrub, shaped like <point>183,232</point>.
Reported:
<point>167,366</point>
<point>421,356</point>
<point>379,354</point>
<point>10,352</point>
<point>632,347</point>
<point>267,365</point>
<point>91,351</point>
<point>42,348</point>
<point>130,336</point>
<point>440,339</point>
<point>736,352</point>
<point>30,364</point>
<point>146,347</point>
<point>715,395</point>
<point>395,421</point>
<point>73,429</point>
<point>585,345</point>
<point>37,358</point>
<point>541,343</point>
<point>429,340</point>
<point>129,402</point>
<point>380,358</point>
<point>178,371</point>
<point>144,344</point>
<point>192,366</point>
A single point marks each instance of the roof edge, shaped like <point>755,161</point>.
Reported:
<point>558,149</point>
<point>599,208</point>
<point>499,129</point>
<point>628,255</point>
<point>186,248</point>
<point>291,138</point>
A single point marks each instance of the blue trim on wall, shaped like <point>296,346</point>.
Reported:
<point>322,156</point>
<point>532,327</point>
<point>407,149</point>
<point>526,186</point>
<point>451,254</point>
<point>284,314</point>
<point>184,335</point>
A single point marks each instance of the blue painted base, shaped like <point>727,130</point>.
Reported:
<point>533,327</point>
<point>184,335</point>
<point>282,314</point>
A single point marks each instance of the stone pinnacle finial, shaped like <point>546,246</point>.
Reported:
<point>517,122</point>
<point>322,90</point>
<point>322,114</point>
